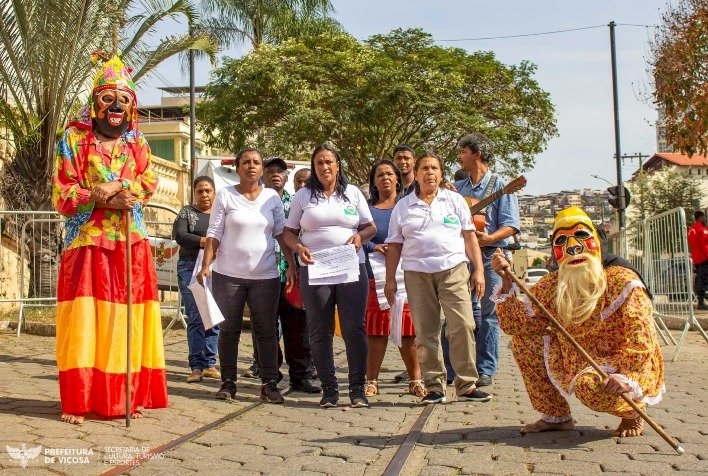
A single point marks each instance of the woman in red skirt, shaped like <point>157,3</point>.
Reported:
<point>385,187</point>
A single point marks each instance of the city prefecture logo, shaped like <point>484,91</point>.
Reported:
<point>24,454</point>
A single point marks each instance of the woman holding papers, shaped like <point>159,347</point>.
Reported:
<point>432,232</point>
<point>324,216</point>
<point>189,231</point>
<point>385,187</point>
<point>246,220</point>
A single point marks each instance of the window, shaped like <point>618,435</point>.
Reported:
<point>163,148</point>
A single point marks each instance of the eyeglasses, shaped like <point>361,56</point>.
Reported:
<point>580,234</point>
<point>274,172</point>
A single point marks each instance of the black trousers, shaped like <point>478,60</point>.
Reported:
<point>231,294</point>
<point>350,299</point>
<point>296,340</point>
<point>701,283</point>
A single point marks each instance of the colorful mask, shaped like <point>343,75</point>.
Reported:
<point>574,236</point>
<point>113,100</point>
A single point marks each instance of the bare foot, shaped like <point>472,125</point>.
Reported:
<point>137,414</point>
<point>542,425</point>
<point>629,427</point>
<point>73,419</point>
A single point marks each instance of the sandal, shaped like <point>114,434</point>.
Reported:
<point>371,388</point>
<point>417,388</point>
<point>227,390</point>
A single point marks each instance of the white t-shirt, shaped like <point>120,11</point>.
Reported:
<point>246,231</point>
<point>431,234</point>
<point>330,221</point>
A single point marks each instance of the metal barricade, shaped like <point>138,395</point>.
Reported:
<point>30,254</point>
<point>658,248</point>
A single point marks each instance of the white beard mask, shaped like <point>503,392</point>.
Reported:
<point>580,287</point>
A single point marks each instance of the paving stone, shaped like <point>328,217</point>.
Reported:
<point>643,467</point>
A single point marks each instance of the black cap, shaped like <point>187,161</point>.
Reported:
<point>275,161</point>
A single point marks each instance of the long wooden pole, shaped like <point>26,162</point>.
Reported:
<point>129,315</point>
<point>592,362</point>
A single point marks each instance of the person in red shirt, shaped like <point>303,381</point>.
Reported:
<point>698,242</point>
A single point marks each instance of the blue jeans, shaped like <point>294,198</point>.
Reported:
<point>488,324</point>
<point>202,344</point>
<point>477,311</point>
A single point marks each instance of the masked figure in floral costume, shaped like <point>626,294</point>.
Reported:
<point>608,312</point>
<point>103,168</point>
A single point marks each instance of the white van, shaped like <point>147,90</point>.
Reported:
<point>223,170</point>
<point>534,275</point>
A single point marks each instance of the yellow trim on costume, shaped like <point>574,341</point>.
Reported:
<point>92,333</point>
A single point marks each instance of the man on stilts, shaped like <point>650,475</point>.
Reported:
<point>607,310</point>
<point>102,171</point>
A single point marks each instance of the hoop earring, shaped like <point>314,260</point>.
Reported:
<point>398,186</point>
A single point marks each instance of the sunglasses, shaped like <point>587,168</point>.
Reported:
<point>580,235</point>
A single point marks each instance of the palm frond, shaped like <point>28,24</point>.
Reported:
<point>173,45</point>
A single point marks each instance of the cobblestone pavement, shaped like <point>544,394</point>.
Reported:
<point>299,437</point>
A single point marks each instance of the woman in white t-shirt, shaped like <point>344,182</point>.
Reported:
<point>325,214</point>
<point>431,230</point>
<point>245,222</point>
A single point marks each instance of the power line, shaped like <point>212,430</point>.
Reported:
<point>635,24</point>
<point>526,34</point>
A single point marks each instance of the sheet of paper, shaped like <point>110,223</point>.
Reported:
<point>378,266</point>
<point>338,279</point>
<point>396,330</point>
<point>337,261</point>
<point>208,309</point>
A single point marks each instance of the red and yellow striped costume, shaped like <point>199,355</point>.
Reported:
<point>91,296</point>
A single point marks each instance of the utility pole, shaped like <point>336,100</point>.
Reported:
<point>615,102</point>
<point>192,120</point>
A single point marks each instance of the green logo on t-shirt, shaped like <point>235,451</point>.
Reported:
<point>451,220</point>
<point>350,210</point>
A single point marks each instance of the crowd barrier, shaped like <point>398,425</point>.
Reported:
<point>658,248</point>
<point>30,253</point>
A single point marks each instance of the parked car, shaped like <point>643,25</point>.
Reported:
<point>533,275</point>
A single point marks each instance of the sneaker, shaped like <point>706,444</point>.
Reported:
<point>433,397</point>
<point>306,385</point>
<point>211,372</point>
<point>484,381</point>
<point>330,398</point>
<point>476,395</point>
<point>227,390</point>
<point>195,376</point>
<point>252,372</point>
<point>357,398</point>
<point>270,393</point>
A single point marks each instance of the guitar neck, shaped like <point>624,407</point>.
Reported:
<point>486,201</point>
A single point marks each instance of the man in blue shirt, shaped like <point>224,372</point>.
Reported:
<point>502,222</point>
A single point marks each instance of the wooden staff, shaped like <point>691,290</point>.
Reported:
<point>592,362</point>
<point>129,314</point>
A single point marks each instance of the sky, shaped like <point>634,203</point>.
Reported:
<point>574,67</point>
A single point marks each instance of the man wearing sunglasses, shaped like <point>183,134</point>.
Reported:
<point>607,310</point>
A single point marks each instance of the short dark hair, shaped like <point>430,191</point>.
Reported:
<point>461,174</point>
<point>698,214</point>
<point>404,148</point>
<point>373,191</point>
<point>203,178</point>
<point>478,143</point>
<point>244,150</point>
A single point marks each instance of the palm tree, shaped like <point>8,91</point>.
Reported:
<point>45,74</point>
<point>266,21</point>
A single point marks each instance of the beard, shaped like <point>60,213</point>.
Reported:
<point>579,289</point>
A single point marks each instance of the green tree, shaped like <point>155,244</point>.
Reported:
<point>266,21</point>
<point>46,73</point>
<point>367,97</point>
<point>538,262</point>
<point>662,191</point>
<point>679,69</point>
